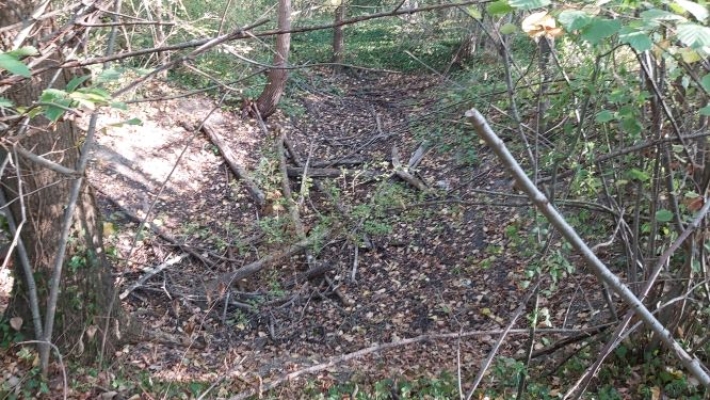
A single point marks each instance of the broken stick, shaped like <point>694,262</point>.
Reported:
<point>231,159</point>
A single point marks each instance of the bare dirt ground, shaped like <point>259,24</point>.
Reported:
<point>399,262</point>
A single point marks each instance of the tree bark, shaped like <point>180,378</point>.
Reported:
<point>38,196</point>
<point>276,81</point>
<point>338,38</point>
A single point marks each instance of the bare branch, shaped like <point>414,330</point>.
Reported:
<point>557,220</point>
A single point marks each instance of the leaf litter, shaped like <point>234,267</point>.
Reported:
<point>400,263</point>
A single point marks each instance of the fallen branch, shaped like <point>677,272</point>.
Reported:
<point>335,360</point>
<point>602,272</point>
<point>403,174</point>
<point>298,172</point>
<point>159,231</point>
<point>229,278</point>
<point>234,165</point>
<point>151,272</point>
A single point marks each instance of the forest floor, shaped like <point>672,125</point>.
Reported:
<point>394,261</point>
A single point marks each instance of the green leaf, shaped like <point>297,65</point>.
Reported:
<point>23,52</point>
<point>705,82</point>
<point>76,82</point>
<point>631,125</point>
<point>599,29</point>
<point>655,15</point>
<point>604,116</point>
<point>109,75</point>
<point>529,4</point>
<point>5,102</point>
<point>500,7</point>
<point>474,12</point>
<point>705,111</point>
<point>52,95</point>
<point>12,64</point>
<point>508,28</point>
<point>54,113</point>
<point>700,12</point>
<point>694,35</point>
<point>639,40</point>
<point>119,105</point>
<point>132,121</point>
<point>639,175</point>
<point>664,216</point>
<point>574,20</point>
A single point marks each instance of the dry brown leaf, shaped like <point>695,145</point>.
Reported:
<point>16,323</point>
<point>541,24</point>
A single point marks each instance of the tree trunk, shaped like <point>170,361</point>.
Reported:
<point>276,81</point>
<point>338,38</point>
<point>38,196</point>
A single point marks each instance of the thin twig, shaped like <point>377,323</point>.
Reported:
<point>494,350</point>
<point>59,358</point>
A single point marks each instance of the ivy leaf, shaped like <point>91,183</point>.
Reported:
<point>639,40</point>
<point>5,102</point>
<point>694,35</point>
<point>700,12</point>
<point>599,29</point>
<point>500,7</point>
<point>12,64</point>
<point>705,111</point>
<point>664,216</point>
<point>574,20</point>
<point>529,4</point>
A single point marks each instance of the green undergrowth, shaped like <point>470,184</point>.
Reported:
<point>379,44</point>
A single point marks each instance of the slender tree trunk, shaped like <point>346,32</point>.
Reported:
<point>38,197</point>
<point>338,38</point>
<point>276,82</point>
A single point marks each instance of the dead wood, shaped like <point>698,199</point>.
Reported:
<point>234,165</point>
<point>343,358</point>
<point>297,172</point>
<point>229,278</point>
<point>314,272</point>
<point>335,163</point>
<point>417,156</point>
<point>160,232</point>
<point>403,173</point>
<point>149,273</point>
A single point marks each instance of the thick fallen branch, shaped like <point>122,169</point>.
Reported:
<point>231,159</point>
<point>403,173</point>
<point>297,172</point>
<point>557,220</point>
<point>229,278</point>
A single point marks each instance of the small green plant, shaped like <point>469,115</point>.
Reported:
<point>8,335</point>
